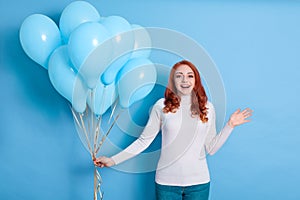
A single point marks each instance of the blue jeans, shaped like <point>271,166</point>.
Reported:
<point>194,192</point>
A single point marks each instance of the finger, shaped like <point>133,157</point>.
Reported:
<point>244,113</point>
<point>247,110</point>
<point>243,122</point>
<point>97,162</point>
<point>247,115</point>
<point>248,120</point>
<point>237,111</point>
<point>101,159</point>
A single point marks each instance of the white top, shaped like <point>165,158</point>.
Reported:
<point>185,142</point>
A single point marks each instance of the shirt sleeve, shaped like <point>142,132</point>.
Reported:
<point>145,139</point>
<point>213,140</point>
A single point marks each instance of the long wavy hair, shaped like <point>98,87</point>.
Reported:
<point>199,98</point>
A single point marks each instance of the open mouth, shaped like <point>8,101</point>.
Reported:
<point>185,86</point>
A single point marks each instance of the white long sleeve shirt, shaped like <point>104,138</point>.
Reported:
<point>185,142</point>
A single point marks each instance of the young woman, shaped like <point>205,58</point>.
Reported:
<point>186,120</point>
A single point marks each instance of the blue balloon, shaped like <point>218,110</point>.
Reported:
<point>39,36</point>
<point>103,97</point>
<point>116,24</point>
<point>142,42</point>
<point>65,80</point>
<point>123,44</point>
<point>135,81</point>
<point>74,14</point>
<point>90,51</point>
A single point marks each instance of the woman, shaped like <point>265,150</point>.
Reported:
<point>187,123</point>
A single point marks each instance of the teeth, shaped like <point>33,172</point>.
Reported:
<point>185,86</point>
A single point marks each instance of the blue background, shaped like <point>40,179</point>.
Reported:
<point>256,46</point>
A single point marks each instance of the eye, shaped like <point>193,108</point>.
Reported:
<point>177,76</point>
<point>191,76</point>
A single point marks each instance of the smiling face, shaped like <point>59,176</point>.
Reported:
<point>184,80</point>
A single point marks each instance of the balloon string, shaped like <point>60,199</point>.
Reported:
<point>75,117</point>
<point>97,134</point>
<point>88,122</point>
<point>86,135</point>
<point>99,178</point>
<point>112,125</point>
<point>92,130</point>
<point>97,185</point>
<point>113,110</point>
<point>99,122</point>
<point>96,129</point>
<point>104,137</point>
<point>81,127</point>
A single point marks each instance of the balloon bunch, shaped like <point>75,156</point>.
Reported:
<point>94,62</point>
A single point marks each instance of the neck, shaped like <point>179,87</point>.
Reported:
<point>185,99</point>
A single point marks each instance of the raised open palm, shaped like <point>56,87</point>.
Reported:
<point>240,117</point>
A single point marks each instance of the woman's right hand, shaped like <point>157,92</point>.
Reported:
<point>104,162</point>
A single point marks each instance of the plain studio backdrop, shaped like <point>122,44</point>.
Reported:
<point>254,44</point>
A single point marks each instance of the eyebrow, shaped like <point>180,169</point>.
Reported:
<point>182,73</point>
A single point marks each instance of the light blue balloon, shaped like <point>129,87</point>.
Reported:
<point>85,40</point>
<point>76,13</point>
<point>123,44</point>
<point>109,75</point>
<point>39,36</point>
<point>115,24</point>
<point>65,80</point>
<point>103,97</point>
<point>142,42</point>
<point>135,81</point>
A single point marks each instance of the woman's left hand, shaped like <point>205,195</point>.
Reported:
<point>239,117</point>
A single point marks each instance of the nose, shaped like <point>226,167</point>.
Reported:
<point>184,79</point>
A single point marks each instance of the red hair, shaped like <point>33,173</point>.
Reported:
<point>199,98</point>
